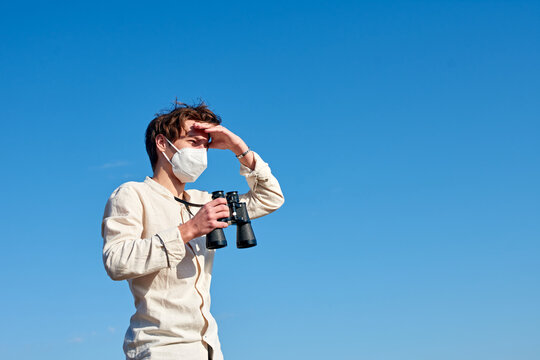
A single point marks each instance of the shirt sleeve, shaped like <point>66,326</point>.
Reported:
<point>125,254</point>
<point>265,194</point>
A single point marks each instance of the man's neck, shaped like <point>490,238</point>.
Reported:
<point>171,182</point>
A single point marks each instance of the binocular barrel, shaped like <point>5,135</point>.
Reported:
<point>215,239</point>
<point>238,215</point>
<point>245,238</point>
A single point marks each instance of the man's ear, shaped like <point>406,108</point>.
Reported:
<point>161,143</point>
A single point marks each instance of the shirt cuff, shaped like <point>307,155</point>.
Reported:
<point>174,246</point>
<point>261,170</point>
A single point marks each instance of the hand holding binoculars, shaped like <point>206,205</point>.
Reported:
<point>238,215</point>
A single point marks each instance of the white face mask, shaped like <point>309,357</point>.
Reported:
<point>187,163</point>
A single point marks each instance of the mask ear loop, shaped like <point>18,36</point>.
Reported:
<point>172,145</point>
<point>166,157</point>
<point>163,152</point>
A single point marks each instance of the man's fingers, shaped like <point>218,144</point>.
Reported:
<point>222,214</point>
<point>222,206</point>
<point>223,224</point>
<point>219,224</point>
<point>220,209</point>
<point>213,129</point>
<point>217,202</point>
<point>203,125</point>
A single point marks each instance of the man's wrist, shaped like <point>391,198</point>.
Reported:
<point>239,148</point>
<point>243,154</point>
<point>186,232</point>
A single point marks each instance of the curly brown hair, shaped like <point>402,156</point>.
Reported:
<point>171,122</point>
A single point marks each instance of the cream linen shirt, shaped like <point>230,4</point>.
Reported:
<point>170,280</point>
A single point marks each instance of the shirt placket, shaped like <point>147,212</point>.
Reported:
<point>194,246</point>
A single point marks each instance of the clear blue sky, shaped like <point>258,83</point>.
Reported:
<point>405,136</point>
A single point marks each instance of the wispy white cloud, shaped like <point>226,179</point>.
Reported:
<point>114,164</point>
<point>111,329</point>
<point>76,339</point>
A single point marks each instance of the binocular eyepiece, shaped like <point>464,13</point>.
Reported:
<point>238,216</point>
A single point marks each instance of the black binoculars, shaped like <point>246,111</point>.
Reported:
<point>238,216</point>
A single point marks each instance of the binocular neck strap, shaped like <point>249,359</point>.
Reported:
<point>187,203</point>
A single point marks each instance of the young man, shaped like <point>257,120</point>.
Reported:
<point>157,243</point>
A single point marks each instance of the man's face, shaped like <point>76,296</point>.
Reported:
<point>189,138</point>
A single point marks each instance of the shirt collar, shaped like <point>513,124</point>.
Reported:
<point>162,190</point>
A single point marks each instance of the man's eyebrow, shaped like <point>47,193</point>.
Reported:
<point>198,138</point>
